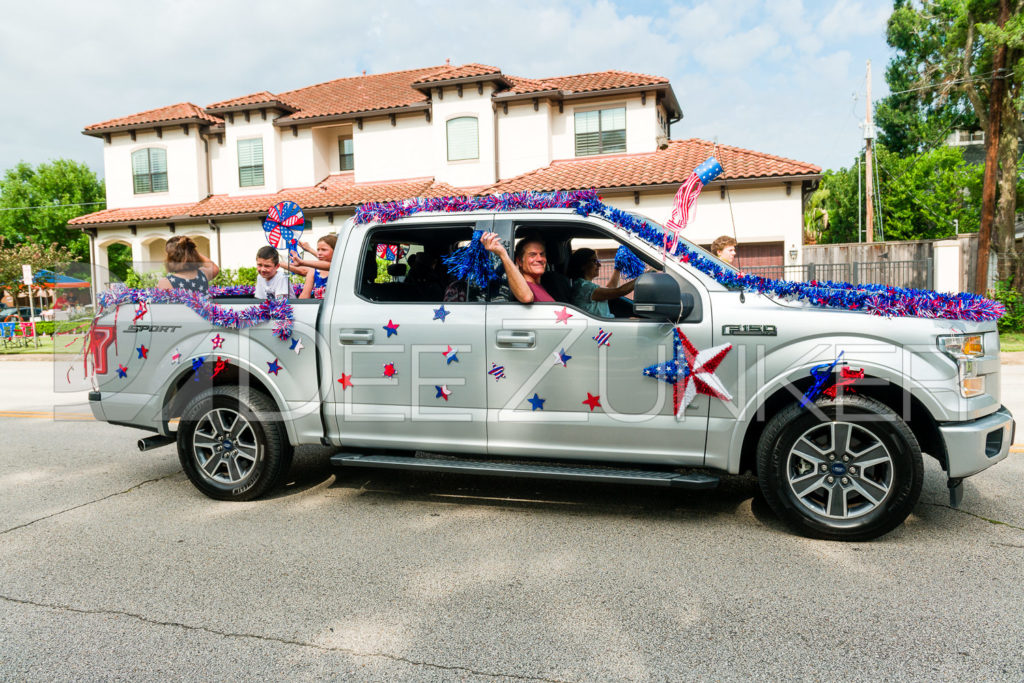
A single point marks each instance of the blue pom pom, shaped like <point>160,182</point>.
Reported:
<point>472,263</point>
<point>628,263</point>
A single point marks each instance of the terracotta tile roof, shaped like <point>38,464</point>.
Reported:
<point>256,98</point>
<point>183,111</point>
<point>663,167</point>
<point>449,73</point>
<point>356,94</point>
<point>143,213</point>
<point>578,83</point>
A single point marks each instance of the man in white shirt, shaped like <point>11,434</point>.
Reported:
<point>271,279</point>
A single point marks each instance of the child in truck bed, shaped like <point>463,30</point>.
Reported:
<point>271,280</point>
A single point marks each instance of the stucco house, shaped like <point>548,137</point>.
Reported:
<point>213,172</point>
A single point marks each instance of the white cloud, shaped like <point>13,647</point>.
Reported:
<point>850,18</point>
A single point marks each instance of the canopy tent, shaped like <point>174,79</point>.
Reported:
<point>48,278</point>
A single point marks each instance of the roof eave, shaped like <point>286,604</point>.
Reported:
<point>350,116</point>
<point>124,128</point>
<point>463,80</point>
<point>128,223</point>
<point>252,106</point>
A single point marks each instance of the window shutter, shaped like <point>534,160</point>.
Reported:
<point>140,171</point>
<point>346,156</point>
<point>462,139</point>
<point>250,162</point>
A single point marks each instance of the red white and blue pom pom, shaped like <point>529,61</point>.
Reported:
<point>472,263</point>
<point>628,263</point>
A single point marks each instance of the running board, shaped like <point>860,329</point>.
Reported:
<point>508,469</point>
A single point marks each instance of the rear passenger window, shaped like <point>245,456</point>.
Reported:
<point>404,265</point>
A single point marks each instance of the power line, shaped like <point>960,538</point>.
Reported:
<point>972,79</point>
<point>47,206</point>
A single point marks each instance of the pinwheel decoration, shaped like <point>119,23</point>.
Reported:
<point>284,225</point>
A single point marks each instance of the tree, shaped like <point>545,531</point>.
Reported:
<point>64,188</point>
<point>922,196</point>
<point>946,51</point>
<point>13,256</point>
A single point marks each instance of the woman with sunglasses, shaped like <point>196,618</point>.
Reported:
<point>586,294</point>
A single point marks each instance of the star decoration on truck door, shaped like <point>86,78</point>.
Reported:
<point>450,356</point>
<point>441,313</point>
<point>391,327</point>
<point>143,352</point>
<point>561,357</point>
<point>122,371</point>
<point>390,370</point>
<point>562,316</point>
<point>273,367</point>
<point>692,374</point>
<point>140,310</point>
<point>296,345</point>
<point>218,341</point>
<point>537,402</point>
<point>592,401</point>
<point>345,381</point>
<point>443,391</point>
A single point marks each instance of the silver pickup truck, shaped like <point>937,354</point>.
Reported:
<point>423,373</point>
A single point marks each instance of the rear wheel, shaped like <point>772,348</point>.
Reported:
<point>851,472</point>
<point>231,445</point>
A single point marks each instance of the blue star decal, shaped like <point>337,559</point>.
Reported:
<point>670,370</point>
<point>122,371</point>
<point>441,314</point>
<point>196,364</point>
<point>273,367</point>
<point>391,327</point>
<point>562,357</point>
<point>537,402</point>
<point>452,358</point>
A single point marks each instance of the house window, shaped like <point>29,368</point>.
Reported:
<point>346,156</point>
<point>149,170</point>
<point>601,131</point>
<point>462,139</point>
<point>250,162</point>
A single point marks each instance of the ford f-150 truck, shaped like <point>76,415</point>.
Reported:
<point>689,380</point>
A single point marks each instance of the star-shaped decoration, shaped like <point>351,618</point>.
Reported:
<point>122,371</point>
<point>391,327</point>
<point>602,338</point>
<point>390,370</point>
<point>692,374</point>
<point>537,402</point>
<point>592,401</point>
<point>219,366</point>
<point>563,316</point>
<point>497,372</point>
<point>140,311</point>
<point>442,391</point>
<point>176,357</point>
<point>296,345</point>
<point>450,356</point>
<point>143,351</point>
<point>441,313</point>
<point>218,341</point>
<point>345,381</point>
<point>196,364</point>
<point>273,367</point>
<point>562,357</point>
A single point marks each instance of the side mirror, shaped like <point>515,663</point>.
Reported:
<point>657,295</point>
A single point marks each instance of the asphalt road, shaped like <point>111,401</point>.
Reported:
<point>112,567</point>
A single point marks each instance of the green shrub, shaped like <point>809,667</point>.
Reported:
<point>228,277</point>
<point>61,326</point>
<point>1013,320</point>
<point>137,280</point>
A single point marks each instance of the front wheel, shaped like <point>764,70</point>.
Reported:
<point>851,472</point>
<point>230,444</point>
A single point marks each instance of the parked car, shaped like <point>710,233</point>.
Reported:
<point>20,313</point>
<point>392,373</point>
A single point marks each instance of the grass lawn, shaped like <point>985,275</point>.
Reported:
<point>64,343</point>
<point>1011,341</point>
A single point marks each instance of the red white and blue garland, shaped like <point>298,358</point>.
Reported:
<point>278,311</point>
<point>876,299</point>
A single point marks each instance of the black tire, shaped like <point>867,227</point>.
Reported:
<point>871,491</point>
<point>231,445</point>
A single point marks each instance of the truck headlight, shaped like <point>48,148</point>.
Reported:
<point>965,349</point>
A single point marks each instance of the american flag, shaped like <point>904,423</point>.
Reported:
<point>602,338</point>
<point>686,197</point>
<point>390,252</point>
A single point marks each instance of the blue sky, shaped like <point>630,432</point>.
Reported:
<point>784,77</point>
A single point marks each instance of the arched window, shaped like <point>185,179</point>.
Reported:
<point>149,170</point>
<point>463,141</point>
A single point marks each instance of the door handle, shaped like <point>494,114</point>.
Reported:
<point>355,337</point>
<point>516,339</point>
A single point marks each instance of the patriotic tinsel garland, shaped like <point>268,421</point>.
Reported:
<point>876,299</point>
<point>277,310</point>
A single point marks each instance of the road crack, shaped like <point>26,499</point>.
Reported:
<point>273,639</point>
<point>966,512</point>
<point>87,503</point>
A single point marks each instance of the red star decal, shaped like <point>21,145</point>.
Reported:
<point>219,367</point>
<point>218,341</point>
<point>143,352</point>
<point>389,370</point>
<point>563,316</point>
<point>100,337</point>
<point>592,401</point>
<point>346,381</point>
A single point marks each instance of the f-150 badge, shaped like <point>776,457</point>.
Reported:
<point>749,330</point>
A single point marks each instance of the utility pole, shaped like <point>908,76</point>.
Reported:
<point>988,187</point>
<point>869,136</point>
